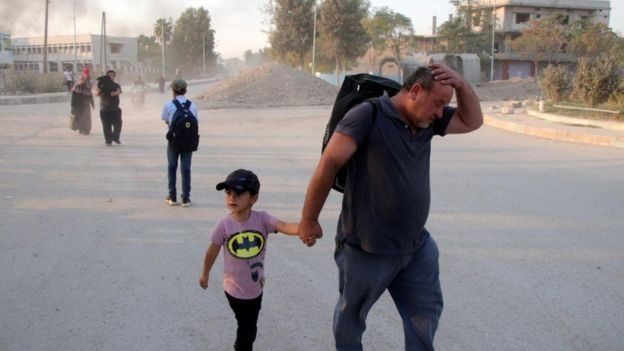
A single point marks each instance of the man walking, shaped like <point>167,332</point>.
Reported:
<point>110,113</point>
<point>180,109</point>
<point>381,240</point>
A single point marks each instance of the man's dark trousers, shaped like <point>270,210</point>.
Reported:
<point>111,124</point>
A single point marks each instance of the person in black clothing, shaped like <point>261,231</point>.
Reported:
<point>110,113</point>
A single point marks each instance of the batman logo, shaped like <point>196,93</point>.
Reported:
<point>246,244</point>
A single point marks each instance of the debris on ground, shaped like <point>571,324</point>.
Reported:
<point>276,84</point>
<point>269,85</point>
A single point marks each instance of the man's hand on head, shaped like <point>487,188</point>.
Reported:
<point>446,75</point>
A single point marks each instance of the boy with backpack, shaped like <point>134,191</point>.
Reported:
<point>180,115</point>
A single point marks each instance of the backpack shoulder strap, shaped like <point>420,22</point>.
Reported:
<point>187,104</point>
<point>176,103</point>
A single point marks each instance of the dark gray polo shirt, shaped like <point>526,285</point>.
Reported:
<point>387,194</point>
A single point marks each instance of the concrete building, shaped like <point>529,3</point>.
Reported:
<point>514,15</point>
<point>119,53</point>
<point>6,54</point>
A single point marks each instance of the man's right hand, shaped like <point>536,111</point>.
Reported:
<point>309,231</point>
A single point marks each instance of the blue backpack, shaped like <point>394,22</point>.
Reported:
<point>183,134</point>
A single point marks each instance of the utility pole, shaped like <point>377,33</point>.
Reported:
<point>493,30</point>
<point>45,39</point>
<point>314,41</point>
<point>162,39</point>
<point>204,53</point>
<point>75,48</point>
<point>103,45</point>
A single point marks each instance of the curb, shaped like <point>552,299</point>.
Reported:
<point>619,126</point>
<point>34,99</point>
<point>64,97</point>
<point>555,134</point>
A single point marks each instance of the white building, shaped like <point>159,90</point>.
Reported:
<point>6,55</point>
<point>119,53</point>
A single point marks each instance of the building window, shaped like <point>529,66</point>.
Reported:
<point>522,17</point>
<point>116,48</point>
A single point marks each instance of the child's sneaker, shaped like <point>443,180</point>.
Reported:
<point>186,202</point>
<point>171,201</point>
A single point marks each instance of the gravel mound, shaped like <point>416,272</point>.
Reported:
<point>276,84</point>
<point>269,85</point>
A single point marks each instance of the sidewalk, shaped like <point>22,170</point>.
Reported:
<point>555,127</point>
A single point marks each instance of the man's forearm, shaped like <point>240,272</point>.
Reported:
<point>317,193</point>
<point>469,107</point>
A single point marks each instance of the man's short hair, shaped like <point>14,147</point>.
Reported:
<point>110,71</point>
<point>423,76</point>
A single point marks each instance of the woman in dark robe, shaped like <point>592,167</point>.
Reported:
<point>81,104</point>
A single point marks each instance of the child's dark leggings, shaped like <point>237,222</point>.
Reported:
<point>246,313</point>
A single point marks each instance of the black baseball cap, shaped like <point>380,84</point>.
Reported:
<point>241,180</point>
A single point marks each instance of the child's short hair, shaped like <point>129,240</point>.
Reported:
<point>241,180</point>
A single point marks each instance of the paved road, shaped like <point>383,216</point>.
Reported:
<point>530,234</point>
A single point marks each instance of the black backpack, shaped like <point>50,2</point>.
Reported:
<point>183,134</point>
<point>355,89</point>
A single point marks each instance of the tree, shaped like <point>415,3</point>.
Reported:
<point>542,39</point>
<point>596,79</point>
<point>340,26</point>
<point>464,10</point>
<point>555,82</point>
<point>162,31</point>
<point>590,40</point>
<point>191,36</point>
<point>388,28</point>
<point>147,48</point>
<point>292,27</point>
<point>459,38</point>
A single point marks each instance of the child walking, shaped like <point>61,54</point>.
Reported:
<point>243,235</point>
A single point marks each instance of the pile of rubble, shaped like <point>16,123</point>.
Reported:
<point>275,84</point>
<point>269,85</point>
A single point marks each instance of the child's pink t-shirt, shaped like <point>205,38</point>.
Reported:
<point>244,246</point>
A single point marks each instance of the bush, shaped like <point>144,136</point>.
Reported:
<point>29,82</point>
<point>617,99</point>
<point>555,82</point>
<point>596,80</point>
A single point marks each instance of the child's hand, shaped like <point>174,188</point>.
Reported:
<point>203,281</point>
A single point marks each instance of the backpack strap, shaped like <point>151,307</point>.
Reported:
<point>176,103</point>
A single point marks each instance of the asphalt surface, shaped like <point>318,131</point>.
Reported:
<point>529,232</point>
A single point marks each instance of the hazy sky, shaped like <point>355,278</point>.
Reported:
<point>239,24</point>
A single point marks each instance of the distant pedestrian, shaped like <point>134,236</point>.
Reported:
<point>161,84</point>
<point>86,72</point>
<point>68,79</point>
<point>81,105</point>
<point>110,112</point>
<point>138,93</point>
<point>243,235</point>
<point>184,154</point>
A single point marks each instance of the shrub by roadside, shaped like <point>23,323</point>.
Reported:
<point>29,82</point>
